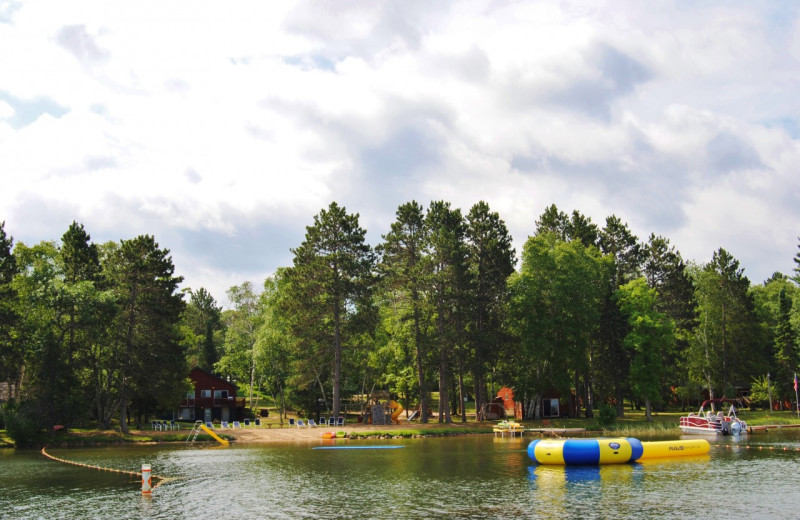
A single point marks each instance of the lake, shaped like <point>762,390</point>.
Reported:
<point>457,477</point>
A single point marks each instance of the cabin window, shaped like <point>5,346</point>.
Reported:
<point>205,393</point>
<point>220,394</point>
<point>550,408</point>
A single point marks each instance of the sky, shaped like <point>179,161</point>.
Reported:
<point>222,128</point>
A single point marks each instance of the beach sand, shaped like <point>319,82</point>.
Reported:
<point>293,434</point>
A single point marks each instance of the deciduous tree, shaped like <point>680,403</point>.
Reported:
<point>650,335</point>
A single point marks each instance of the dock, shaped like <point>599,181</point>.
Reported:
<point>767,427</point>
<point>556,432</point>
<point>509,431</point>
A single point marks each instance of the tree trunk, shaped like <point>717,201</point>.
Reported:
<point>461,405</point>
<point>444,401</point>
<point>123,409</point>
<point>423,392</point>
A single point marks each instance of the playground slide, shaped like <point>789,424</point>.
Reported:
<point>396,409</point>
<point>214,435</point>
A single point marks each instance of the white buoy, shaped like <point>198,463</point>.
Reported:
<point>146,485</point>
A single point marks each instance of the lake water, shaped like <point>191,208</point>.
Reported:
<point>462,477</point>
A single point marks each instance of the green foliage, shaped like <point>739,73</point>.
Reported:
<point>491,261</point>
<point>650,335</point>
<point>727,346</point>
<point>91,332</point>
<point>8,300</point>
<point>202,330</point>
<point>24,423</point>
<point>145,332</point>
<point>606,415</point>
<point>405,313</point>
<point>555,305</point>
<point>331,285</point>
<point>760,389</point>
<point>796,259</point>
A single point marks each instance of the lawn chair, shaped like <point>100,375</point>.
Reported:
<point>155,425</point>
<point>291,422</point>
<point>237,425</point>
<point>258,423</point>
<point>247,423</point>
<point>340,421</point>
<point>300,423</point>
<point>331,421</point>
<point>210,425</point>
<point>175,425</point>
<point>312,423</point>
<point>224,424</point>
<point>323,421</point>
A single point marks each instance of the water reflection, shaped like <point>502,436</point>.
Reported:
<point>472,477</point>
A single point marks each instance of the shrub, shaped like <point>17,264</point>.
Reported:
<point>23,424</point>
<point>607,415</point>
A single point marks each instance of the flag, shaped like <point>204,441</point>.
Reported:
<point>795,381</point>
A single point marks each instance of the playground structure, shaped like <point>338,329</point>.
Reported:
<point>199,426</point>
<point>382,412</point>
<point>569,452</point>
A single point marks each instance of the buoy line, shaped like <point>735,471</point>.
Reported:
<point>748,447</point>
<point>159,478</point>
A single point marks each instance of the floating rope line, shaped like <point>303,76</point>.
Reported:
<point>748,447</point>
<point>160,479</point>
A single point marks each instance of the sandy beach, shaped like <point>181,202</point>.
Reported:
<point>293,434</point>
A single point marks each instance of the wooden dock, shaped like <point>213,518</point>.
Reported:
<point>509,431</point>
<point>556,432</point>
<point>767,427</point>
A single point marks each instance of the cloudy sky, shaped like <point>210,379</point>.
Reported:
<point>222,128</point>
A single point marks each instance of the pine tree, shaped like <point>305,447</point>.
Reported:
<point>448,290</point>
<point>9,360</point>
<point>332,280</point>
<point>491,262</point>
<point>406,269</point>
<point>796,277</point>
<point>146,333</point>
<point>203,318</point>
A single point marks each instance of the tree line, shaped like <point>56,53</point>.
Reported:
<point>439,307</point>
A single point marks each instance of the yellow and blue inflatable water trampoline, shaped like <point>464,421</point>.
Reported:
<point>573,452</point>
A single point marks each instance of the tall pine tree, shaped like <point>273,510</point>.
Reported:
<point>491,262</point>
<point>406,271</point>
<point>332,280</point>
<point>146,330</point>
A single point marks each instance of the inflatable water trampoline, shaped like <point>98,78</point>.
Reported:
<point>610,451</point>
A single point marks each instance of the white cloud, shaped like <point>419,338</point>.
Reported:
<point>6,110</point>
<point>222,130</point>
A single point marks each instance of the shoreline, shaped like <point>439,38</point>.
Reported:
<point>262,435</point>
<point>287,434</point>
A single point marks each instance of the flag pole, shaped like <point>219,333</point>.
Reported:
<point>797,402</point>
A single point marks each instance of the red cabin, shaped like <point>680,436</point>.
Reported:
<point>212,399</point>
